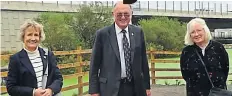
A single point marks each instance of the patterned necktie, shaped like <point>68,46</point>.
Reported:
<point>127,55</point>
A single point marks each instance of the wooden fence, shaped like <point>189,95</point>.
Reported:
<point>81,63</point>
<point>152,61</point>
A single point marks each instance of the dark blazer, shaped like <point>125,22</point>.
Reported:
<point>105,66</point>
<point>21,78</point>
<point>217,64</point>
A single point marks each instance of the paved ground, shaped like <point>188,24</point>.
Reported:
<point>163,90</point>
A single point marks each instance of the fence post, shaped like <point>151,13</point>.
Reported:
<point>152,65</point>
<point>79,70</point>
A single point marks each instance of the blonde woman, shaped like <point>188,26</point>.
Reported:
<point>27,67</point>
<point>213,54</point>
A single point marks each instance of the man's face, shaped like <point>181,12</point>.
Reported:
<point>122,15</point>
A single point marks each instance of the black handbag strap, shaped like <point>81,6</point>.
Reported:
<point>204,67</point>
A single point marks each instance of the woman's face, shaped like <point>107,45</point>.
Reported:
<point>31,38</point>
<point>198,34</point>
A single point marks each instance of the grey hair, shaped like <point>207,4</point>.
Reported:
<point>33,23</point>
<point>121,2</point>
<point>127,4</point>
<point>187,39</point>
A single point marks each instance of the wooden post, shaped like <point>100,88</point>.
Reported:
<point>79,70</point>
<point>152,65</point>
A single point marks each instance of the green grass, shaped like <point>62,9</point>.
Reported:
<point>73,81</point>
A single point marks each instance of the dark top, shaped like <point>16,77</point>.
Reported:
<point>21,79</point>
<point>217,64</point>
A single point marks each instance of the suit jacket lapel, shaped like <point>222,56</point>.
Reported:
<point>24,59</point>
<point>44,58</point>
<point>132,42</point>
<point>114,41</point>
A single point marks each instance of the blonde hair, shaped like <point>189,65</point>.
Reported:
<point>187,39</point>
<point>33,23</point>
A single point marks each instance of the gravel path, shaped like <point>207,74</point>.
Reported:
<point>162,90</point>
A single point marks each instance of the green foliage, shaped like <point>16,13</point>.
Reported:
<point>163,33</point>
<point>59,34</point>
<point>67,71</point>
<point>65,31</point>
<point>4,63</point>
<point>66,59</point>
<point>178,82</point>
<point>166,83</point>
<point>85,68</point>
<point>7,52</point>
<point>88,20</point>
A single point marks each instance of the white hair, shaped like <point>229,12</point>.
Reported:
<point>29,23</point>
<point>187,39</point>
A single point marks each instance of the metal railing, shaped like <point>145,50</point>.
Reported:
<point>197,7</point>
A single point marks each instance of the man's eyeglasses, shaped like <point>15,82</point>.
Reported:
<point>123,14</point>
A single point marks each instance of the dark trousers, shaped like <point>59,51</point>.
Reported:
<point>126,88</point>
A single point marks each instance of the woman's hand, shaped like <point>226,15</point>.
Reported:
<point>39,92</point>
<point>48,92</point>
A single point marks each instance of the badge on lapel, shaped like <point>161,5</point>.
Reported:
<point>45,57</point>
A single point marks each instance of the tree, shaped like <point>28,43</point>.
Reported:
<point>88,20</point>
<point>163,33</point>
<point>64,31</point>
<point>59,34</point>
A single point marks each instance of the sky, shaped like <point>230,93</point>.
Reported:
<point>220,5</point>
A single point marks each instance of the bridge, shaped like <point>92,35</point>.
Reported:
<point>14,13</point>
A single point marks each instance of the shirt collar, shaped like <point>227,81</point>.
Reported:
<point>31,52</point>
<point>118,30</point>
<point>206,47</point>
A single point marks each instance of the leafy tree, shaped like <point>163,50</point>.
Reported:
<point>64,31</point>
<point>59,34</point>
<point>163,33</point>
<point>88,20</point>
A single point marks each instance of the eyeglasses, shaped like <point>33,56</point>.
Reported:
<point>126,15</point>
<point>197,31</point>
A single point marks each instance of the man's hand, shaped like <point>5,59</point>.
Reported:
<point>148,91</point>
<point>48,92</point>
<point>39,92</point>
<point>95,95</point>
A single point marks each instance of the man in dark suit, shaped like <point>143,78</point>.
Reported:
<point>119,64</point>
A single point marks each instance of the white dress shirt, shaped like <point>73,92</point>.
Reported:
<point>120,45</point>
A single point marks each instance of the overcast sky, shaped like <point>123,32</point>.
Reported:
<point>169,4</point>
